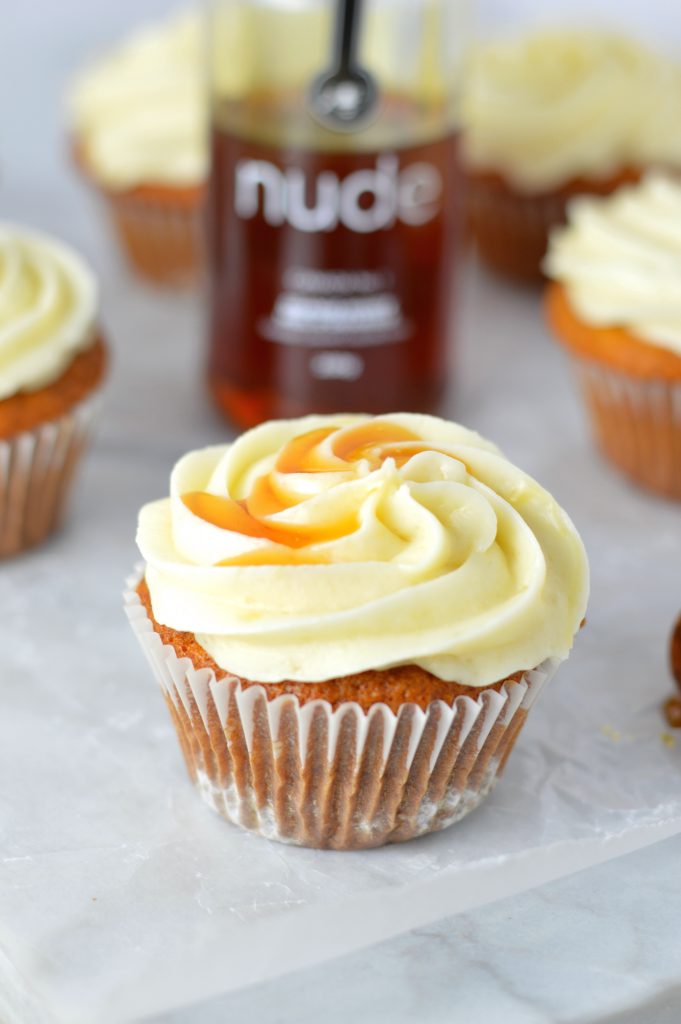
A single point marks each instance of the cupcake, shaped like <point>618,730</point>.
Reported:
<point>552,115</point>
<point>350,619</point>
<point>52,364</point>
<point>615,305</point>
<point>138,134</point>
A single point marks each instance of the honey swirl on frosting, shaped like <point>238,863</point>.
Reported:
<point>327,546</point>
<point>373,442</point>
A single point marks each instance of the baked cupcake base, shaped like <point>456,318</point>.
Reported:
<point>632,392</point>
<point>42,437</point>
<point>637,425</point>
<point>511,228</point>
<point>341,777</point>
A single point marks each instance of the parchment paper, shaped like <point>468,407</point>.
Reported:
<point>121,894</point>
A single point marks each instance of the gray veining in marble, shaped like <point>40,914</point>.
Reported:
<point>600,947</point>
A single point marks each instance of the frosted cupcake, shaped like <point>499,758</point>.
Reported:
<point>350,619</point>
<point>552,115</point>
<point>52,364</point>
<point>138,121</point>
<point>615,304</point>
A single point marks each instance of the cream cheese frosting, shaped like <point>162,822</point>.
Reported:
<point>139,114</point>
<point>561,104</point>
<point>619,259</point>
<point>48,309</point>
<point>329,545</point>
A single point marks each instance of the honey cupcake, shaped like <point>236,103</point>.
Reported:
<point>138,121</point>
<point>552,115</point>
<point>615,304</point>
<point>350,619</point>
<point>52,364</point>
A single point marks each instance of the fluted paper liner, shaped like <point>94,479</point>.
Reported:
<point>637,424</point>
<point>160,230</point>
<point>511,228</point>
<point>162,240</point>
<point>36,472</point>
<point>341,779</point>
<point>511,232</point>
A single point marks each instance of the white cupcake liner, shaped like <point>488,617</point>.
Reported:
<point>163,241</point>
<point>636,423</point>
<point>342,779</point>
<point>36,472</point>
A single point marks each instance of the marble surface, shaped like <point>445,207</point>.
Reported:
<point>601,947</point>
<point>67,915</point>
<point>603,942</point>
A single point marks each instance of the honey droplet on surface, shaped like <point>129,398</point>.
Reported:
<point>672,712</point>
<point>675,652</point>
<point>672,706</point>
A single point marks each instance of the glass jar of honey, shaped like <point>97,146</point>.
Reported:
<point>332,234</point>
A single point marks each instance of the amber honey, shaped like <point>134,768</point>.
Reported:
<point>332,269</point>
<point>374,442</point>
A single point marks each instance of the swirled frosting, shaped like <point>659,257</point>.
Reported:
<point>139,114</point>
<point>561,104</point>
<point>48,309</point>
<point>325,546</point>
<point>619,259</point>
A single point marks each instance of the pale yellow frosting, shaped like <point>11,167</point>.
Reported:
<point>436,551</point>
<point>48,309</point>
<point>619,258</point>
<point>139,114</point>
<point>560,104</point>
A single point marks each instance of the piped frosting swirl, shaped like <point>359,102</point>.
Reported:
<point>139,113</point>
<point>561,104</point>
<point>619,259</point>
<point>48,309</point>
<point>326,546</point>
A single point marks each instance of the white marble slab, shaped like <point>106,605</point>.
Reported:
<point>601,947</point>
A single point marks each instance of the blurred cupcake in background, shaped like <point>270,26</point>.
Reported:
<point>615,304</point>
<point>138,123</point>
<point>555,114</point>
<point>52,365</point>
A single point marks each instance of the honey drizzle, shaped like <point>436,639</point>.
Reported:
<point>375,442</point>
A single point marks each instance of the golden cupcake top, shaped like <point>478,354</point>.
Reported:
<point>619,259</point>
<point>560,104</point>
<point>139,113</point>
<point>313,548</point>
<point>48,309</point>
